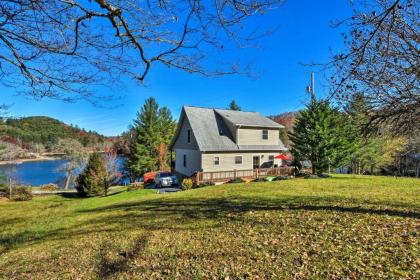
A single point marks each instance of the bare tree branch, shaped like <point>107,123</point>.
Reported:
<point>381,60</point>
<point>60,48</point>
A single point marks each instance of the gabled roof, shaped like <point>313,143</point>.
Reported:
<point>212,134</point>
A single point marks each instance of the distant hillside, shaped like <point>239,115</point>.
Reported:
<point>39,130</point>
<point>287,120</point>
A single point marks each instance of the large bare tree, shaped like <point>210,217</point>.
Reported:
<point>59,48</point>
<point>381,60</point>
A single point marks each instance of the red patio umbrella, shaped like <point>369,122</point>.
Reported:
<point>281,156</point>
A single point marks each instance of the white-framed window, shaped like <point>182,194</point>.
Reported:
<point>270,158</point>
<point>184,161</point>
<point>189,136</point>
<point>238,159</point>
<point>216,161</point>
<point>264,135</point>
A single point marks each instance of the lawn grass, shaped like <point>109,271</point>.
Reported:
<point>341,227</point>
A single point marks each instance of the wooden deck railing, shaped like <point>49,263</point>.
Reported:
<point>223,176</point>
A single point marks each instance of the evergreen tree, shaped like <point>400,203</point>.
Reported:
<point>91,181</point>
<point>153,130</point>
<point>371,150</point>
<point>234,106</point>
<point>321,135</point>
<point>167,128</point>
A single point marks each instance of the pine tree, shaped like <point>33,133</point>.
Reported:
<point>91,181</point>
<point>153,131</point>
<point>234,106</point>
<point>320,135</point>
<point>167,130</point>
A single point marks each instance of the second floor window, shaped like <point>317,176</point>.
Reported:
<point>238,160</point>
<point>216,160</point>
<point>265,134</point>
<point>189,136</point>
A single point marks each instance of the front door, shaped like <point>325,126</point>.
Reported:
<point>256,162</point>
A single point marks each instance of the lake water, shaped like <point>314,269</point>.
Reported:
<point>36,173</point>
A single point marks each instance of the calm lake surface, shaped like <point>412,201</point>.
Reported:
<point>36,173</point>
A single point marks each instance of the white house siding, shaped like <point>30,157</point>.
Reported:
<point>227,160</point>
<point>193,161</point>
<point>253,136</point>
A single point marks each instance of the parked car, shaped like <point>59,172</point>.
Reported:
<point>165,179</point>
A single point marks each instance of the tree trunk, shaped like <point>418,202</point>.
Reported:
<point>67,181</point>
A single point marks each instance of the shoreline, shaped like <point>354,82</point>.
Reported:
<point>23,160</point>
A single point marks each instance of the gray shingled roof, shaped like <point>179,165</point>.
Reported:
<point>209,130</point>
<point>252,119</point>
<point>212,133</point>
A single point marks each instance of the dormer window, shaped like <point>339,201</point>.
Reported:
<point>265,134</point>
<point>189,136</point>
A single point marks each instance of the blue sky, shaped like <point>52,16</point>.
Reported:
<point>303,35</point>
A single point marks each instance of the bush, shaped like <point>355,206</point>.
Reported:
<point>91,182</point>
<point>3,188</point>
<point>49,187</point>
<point>236,180</point>
<point>279,178</point>
<point>135,186</point>
<point>259,180</point>
<point>302,175</point>
<point>311,176</point>
<point>187,184</point>
<point>318,176</point>
<point>206,184</point>
<point>20,193</point>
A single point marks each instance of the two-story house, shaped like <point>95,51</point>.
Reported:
<point>224,140</point>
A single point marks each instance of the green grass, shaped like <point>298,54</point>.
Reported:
<point>342,227</point>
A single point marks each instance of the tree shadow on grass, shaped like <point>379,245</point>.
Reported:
<point>215,208</point>
<point>70,195</point>
<point>111,265</point>
<point>176,214</point>
<point>183,214</point>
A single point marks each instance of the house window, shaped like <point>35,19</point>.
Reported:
<point>189,135</point>
<point>271,158</point>
<point>185,161</point>
<point>265,134</point>
<point>216,160</point>
<point>238,160</point>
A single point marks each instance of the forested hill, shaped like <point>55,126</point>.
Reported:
<point>39,130</point>
<point>287,120</point>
